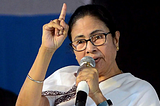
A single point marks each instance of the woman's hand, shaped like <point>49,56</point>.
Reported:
<point>55,32</point>
<point>91,76</point>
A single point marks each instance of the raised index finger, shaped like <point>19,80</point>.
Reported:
<point>63,12</point>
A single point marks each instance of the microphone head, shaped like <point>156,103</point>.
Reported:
<point>87,59</point>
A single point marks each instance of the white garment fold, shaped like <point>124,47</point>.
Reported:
<point>123,89</point>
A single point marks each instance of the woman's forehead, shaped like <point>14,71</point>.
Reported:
<point>86,25</point>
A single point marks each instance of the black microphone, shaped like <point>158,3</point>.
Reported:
<point>83,88</point>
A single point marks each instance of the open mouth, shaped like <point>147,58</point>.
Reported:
<point>97,59</point>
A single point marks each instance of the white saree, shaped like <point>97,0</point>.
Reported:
<point>123,89</point>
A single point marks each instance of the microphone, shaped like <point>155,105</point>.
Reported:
<point>83,88</point>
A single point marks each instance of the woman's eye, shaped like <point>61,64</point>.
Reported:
<point>80,41</point>
<point>97,37</point>
<point>101,36</point>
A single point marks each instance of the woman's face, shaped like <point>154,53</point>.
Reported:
<point>104,55</point>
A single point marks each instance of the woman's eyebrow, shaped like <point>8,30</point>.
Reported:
<point>95,31</point>
<point>79,36</point>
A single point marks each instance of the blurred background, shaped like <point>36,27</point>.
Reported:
<point>21,24</point>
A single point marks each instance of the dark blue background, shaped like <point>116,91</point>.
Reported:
<point>20,39</point>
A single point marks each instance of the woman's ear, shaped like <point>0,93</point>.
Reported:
<point>116,39</point>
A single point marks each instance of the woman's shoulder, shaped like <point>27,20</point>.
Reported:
<point>132,88</point>
<point>142,88</point>
<point>130,83</point>
<point>131,80</point>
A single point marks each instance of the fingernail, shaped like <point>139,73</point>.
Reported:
<point>60,32</point>
<point>57,33</point>
<point>62,28</point>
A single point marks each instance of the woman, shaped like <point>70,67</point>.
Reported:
<point>92,33</point>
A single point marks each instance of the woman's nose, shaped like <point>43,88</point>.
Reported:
<point>90,48</point>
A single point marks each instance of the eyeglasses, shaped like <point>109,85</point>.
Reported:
<point>97,40</point>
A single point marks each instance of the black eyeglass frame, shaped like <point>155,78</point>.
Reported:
<point>90,41</point>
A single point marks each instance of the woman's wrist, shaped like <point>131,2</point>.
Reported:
<point>98,98</point>
<point>41,63</point>
<point>49,50</point>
